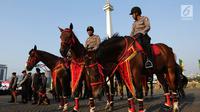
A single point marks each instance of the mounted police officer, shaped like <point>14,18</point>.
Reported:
<point>140,29</point>
<point>93,41</point>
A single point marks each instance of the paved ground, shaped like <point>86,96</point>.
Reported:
<point>190,104</point>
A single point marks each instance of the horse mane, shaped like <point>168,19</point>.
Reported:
<point>116,36</point>
<point>110,44</point>
<point>79,43</point>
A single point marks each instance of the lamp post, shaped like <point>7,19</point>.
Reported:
<point>108,8</point>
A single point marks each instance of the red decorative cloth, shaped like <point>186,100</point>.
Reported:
<point>76,71</point>
<point>125,72</point>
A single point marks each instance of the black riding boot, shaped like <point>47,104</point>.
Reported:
<point>147,48</point>
<point>149,61</point>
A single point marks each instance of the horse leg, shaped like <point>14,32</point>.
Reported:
<point>76,100</point>
<point>151,85</point>
<point>131,101</point>
<point>66,92</point>
<point>107,91</point>
<point>165,86</point>
<point>90,94</point>
<point>91,101</point>
<point>138,88</point>
<point>120,84</point>
<point>145,85</point>
<point>110,97</point>
<point>112,93</point>
<point>59,94</point>
<point>171,78</point>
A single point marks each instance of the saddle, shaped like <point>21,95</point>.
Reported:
<point>154,48</point>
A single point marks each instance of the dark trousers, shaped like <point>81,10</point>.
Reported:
<point>145,42</point>
<point>13,95</point>
<point>24,94</point>
<point>35,96</point>
<point>30,92</point>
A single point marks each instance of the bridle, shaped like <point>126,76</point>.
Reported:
<point>32,60</point>
<point>71,41</point>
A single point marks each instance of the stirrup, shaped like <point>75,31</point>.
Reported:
<point>148,64</point>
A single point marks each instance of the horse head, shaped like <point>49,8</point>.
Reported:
<point>33,58</point>
<point>67,39</point>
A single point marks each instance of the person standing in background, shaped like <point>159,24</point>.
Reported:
<point>12,88</point>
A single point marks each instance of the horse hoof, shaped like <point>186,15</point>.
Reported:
<point>165,108</point>
<point>92,109</point>
<point>65,108</point>
<point>107,106</point>
<point>175,107</point>
<point>110,109</point>
<point>60,107</point>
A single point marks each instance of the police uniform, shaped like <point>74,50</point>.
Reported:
<point>140,29</point>
<point>36,82</point>
<point>24,84</point>
<point>12,87</point>
<point>141,26</point>
<point>92,42</point>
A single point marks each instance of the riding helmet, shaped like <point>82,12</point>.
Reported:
<point>90,28</point>
<point>136,10</point>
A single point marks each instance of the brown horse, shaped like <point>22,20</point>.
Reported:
<point>129,60</point>
<point>82,67</point>
<point>127,48</point>
<point>59,73</point>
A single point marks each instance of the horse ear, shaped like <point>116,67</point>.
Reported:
<point>60,29</point>
<point>35,47</point>
<point>71,26</point>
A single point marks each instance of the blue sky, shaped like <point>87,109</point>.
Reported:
<point>24,24</point>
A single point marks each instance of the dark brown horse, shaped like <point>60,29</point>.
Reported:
<point>164,62</point>
<point>123,54</point>
<point>82,67</point>
<point>59,72</point>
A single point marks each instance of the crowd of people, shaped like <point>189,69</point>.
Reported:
<point>33,88</point>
